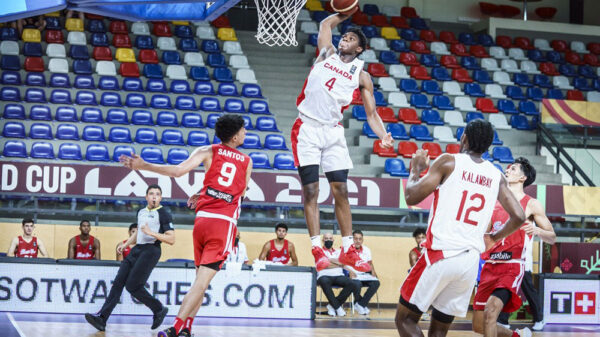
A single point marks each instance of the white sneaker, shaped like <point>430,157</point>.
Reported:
<point>359,309</point>
<point>367,310</point>
<point>525,332</point>
<point>504,325</point>
<point>330,310</point>
<point>538,326</point>
<point>340,311</point>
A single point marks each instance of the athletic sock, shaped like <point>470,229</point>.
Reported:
<point>188,323</point>
<point>347,241</point>
<point>316,241</point>
<point>178,325</point>
<point>515,334</point>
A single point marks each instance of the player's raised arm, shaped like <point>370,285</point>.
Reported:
<point>417,189</point>
<point>375,122</point>
<point>326,47</point>
<point>512,207</point>
<point>199,156</point>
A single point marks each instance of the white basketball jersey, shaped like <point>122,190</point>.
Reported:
<point>328,89</point>
<point>462,207</point>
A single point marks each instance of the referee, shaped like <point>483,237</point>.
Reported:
<point>156,227</point>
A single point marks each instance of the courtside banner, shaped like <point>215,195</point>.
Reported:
<point>65,288</point>
<point>571,301</point>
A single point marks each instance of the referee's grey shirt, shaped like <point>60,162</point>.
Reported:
<point>158,220</point>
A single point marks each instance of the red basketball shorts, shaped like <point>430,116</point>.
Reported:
<point>213,239</point>
<point>499,276</point>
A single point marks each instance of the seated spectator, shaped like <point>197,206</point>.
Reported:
<point>334,276</point>
<point>368,280</point>
<point>36,22</point>
<point>126,250</point>
<point>415,253</point>
<point>239,253</point>
<point>279,250</point>
<point>27,245</point>
<point>84,246</point>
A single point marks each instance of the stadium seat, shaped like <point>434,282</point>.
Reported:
<point>502,78</point>
<point>490,64</point>
<point>459,49</point>
<point>13,130</point>
<point>594,47</point>
<point>210,104</point>
<point>499,122</point>
<point>498,53</point>
<point>107,98</point>
<point>407,148</point>
<point>60,96</point>
<point>448,37</point>
<point>176,156</point>
<point>428,35</point>
<point>515,92</point>
<point>453,118</point>
<point>166,43</point>
<point>452,88</point>
<point>485,40</point>
<point>542,81</point>
<point>431,87</point>
<point>555,94</point>
<point>509,66</point>
<point>398,71</point>
<point>535,94</point>
<point>12,47</point>
<point>579,47</point>
<point>466,39</point>
<point>8,33</point>
<point>387,114</point>
<point>399,22</point>
<point>420,132</point>
<point>387,84</point>
<point>252,141</point>
<point>398,99</point>
<point>409,34</point>
<point>64,114</point>
<point>31,35</point>
<point>41,150</point>
<point>283,161</point>
<point>35,95</point>
<point>14,111</point>
<point>210,46</point>
<point>503,154</point>
<point>40,113</point>
<point>567,70</point>
<point>11,78</point>
<point>420,101</point>
<point>135,84</point>
<point>266,124</point>
<point>377,70</point>
<point>409,59</point>
<point>439,48</point>
<point>562,82</point>
<point>260,160</point>
<point>82,67</point>
<point>31,49</point>
<point>152,71</point>
<point>536,55</point>
<point>382,151</point>
<point>433,149</point>
<point>507,106</point>
<point>244,76</point>
<point>546,13</point>
<point>259,107</point>
<point>108,83</point>
<point>117,116</point>
<point>587,72</point>
<point>453,148</point>
<point>204,88</point>
<point>419,72</point>
<point>144,42</point>
<point>226,34</point>
<point>409,85</point>
<point>119,135</point>
<point>67,132</point>
<point>180,87</point>
<point>172,137</point>
<point>10,62</point>
<point>408,12</point>
<point>522,80</point>
<point>367,131</point>
<point>592,96</point>
<point>549,69</point>
<point>461,75</point>
<point>232,47</point>
<point>388,57</point>
<point>148,56</point>
<point>369,56</point>
<point>140,28</point>
<point>161,29</point>
<point>156,85</point>
<point>93,133</point>
<point>485,105</point>
<point>555,57</point>
<point>471,116</point>
<point>129,70</point>
<point>399,46</point>
<point>474,90</point>
<point>197,138</point>
<point>146,136</point>
<point>419,47</point>
<point>440,74</point>
<point>581,84</point>
<point>591,59</point>
<point>97,152</point>
<point>10,94</point>
<point>275,142</point>
<point>160,102</point>
<point>186,103</point>
<point>60,81</point>
<point>519,122</point>
<point>408,116</point>
<point>183,31</point>
<point>102,54</point>
<point>575,95</point>
<point>429,60</point>
<point>152,155</point>
<point>442,102</point>
<point>171,57</point>
<point>69,151</point>
<point>398,131</point>
<point>234,105</point>
<point>478,51</point>
<point>431,117</point>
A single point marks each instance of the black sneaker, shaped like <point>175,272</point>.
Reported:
<point>159,317</point>
<point>185,332</point>
<point>96,321</point>
<point>170,332</point>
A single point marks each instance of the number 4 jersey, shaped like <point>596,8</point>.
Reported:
<point>462,208</point>
<point>328,89</point>
<point>224,183</point>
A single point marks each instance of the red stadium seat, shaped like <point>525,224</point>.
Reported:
<point>575,95</point>
<point>487,8</point>
<point>591,60</point>
<point>34,64</point>
<point>453,148</point>
<point>408,116</point>
<point>573,58</point>
<point>594,47</point>
<point>559,45</point>
<point>102,54</point>
<point>549,69</point>
<point>433,149</point>
<point>448,37</point>
<point>409,12</point>
<point>387,114</point>
<point>148,56</point>
<point>523,43</point>
<point>508,11</point>
<point>449,61</point>
<point>419,47</point>
<point>419,72</point>
<point>54,36</point>
<point>360,19</point>
<point>129,69</point>
<point>546,13</point>
<point>461,75</point>
<point>428,35</point>
<point>357,97</point>
<point>407,148</point>
<point>118,27</point>
<point>459,49</point>
<point>504,41</point>
<point>222,22</point>
<point>379,21</point>
<point>161,28</point>
<point>121,41</point>
<point>479,51</point>
<point>382,151</point>
<point>377,70</point>
<point>398,22</point>
<point>485,105</point>
<point>409,59</point>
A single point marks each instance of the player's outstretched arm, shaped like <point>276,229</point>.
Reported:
<point>417,189</point>
<point>324,40</point>
<point>200,155</point>
<point>544,227</point>
<point>375,122</point>
<point>514,209</point>
<point>248,174</point>
<point>13,245</point>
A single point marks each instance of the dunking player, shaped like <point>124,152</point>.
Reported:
<point>217,209</point>
<point>504,267</point>
<point>465,189</point>
<point>318,136</point>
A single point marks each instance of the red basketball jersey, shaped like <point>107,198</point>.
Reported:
<point>126,250</point>
<point>86,252</point>
<point>417,251</point>
<point>282,256</point>
<point>224,183</point>
<point>27,249</point>
<point>513,246</point>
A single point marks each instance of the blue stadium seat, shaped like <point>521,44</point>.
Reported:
<point>442,102</point>
<point>389,57</point>
<point>260,160</point>
<point>79,52</point>
<point>234,105</point>
<point>99,40</point>
<point>470,63</point>
<point>204,88</point>
<point>536,55</point>
<point>133,84</point>
<point>60,96</point>
<point>582,84</point>
<point>467,39</point>
<point>485,40</point>
<point>398,131</point>
<point>91,115</point>
<point>96,26</point>
<point>122,150</point>
<point>367,131</point>
<point>82,67</point>
<point>474,90</point>
<point>10,94</point>
<point>535,93</point>
<point>186,103</point>
<point>473,115</point>
<point>180,87</point>
<point>528,108</point>
<point>11,78</point>
<point>67,132</point>
<point>152,71</point>
<point>542,81</point>
<point>65,114</point>
<point>440,74</point>
<point>119,134</point>
<point>587,72</point>
<point>117,116</point>
<point>555,94</point>
<point>108,83</point>
<point>152,155</point>
<point>596,84</point>
<point>197,138</point>
<point>42,150</point>
<point>146,136</point>
<point>14,148</point>
<point>191,120</point>
<point>486,156</point>
<point>420,101</point>
<point>554,57</point>
<point>188,45</point>
<point>85,97</point>
<point>40,131</point>
<point>312,39</point>
<point>459,132</point>
<point>252,141</point>
<point>259,107</point>
<point>144,42</point>
<point>482,76</point>
<point>379,98</point>
<point>409,35</point>
<point>265,123</point>
<point>395,167</point>
<point>170,57</point>
<point>359,113</point>
<point>228,89</point>
<point>223,75</point>
<point>519,122</point>
<point>210,104</point>
<point>507,106</point>
<point>84,82</point>
<point>409,85</point>
<point>8,33</point>
<point>167,118</point>
<point>399,46</point>
<point>172,137</point>
<point>497,140</point>
<point>35,95</point>
<point>429,60</point>
<point>252,91</point>
<point>515,92</point>
<point>370,9</point>
<point>183,31</point>
<point>420,132</point>
<point>200,74</point>
<point>248,123</point>
<point>418,23</point>
<point>10,62</point>
<point>52,23</point>
<point>522,80</point>
<point>503,154</point>
<point>14,111</point>
<point>370,31</point>
<point>156,85</point>
<point>13,130</point>
<point>40,113</point>
<point>60,81</point>
<point>216,60</point>
<point>35,79</point>
<point>211,120</point>
<point>97,152</point>
<point>142,117</point>
<point>176,156</point>
<point>283,161</point>
<point>210,46</point>
<point>567,70</point>
<point>160,102</point>
<point>135,101</point>
<point>93,133</point>
<point>431,117</point>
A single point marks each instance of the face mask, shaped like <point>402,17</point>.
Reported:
<point>236,241</point>
<point>328,244</point>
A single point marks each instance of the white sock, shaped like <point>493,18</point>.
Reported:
<point>347,241</point>
<point>316,241</point>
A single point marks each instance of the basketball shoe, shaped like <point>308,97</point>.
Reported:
<point>525,332</point>
<point>352,259</point>
<point>159,317</point>
<point>170,332</point>
<point>96,321</point>
<point>321,261</point>
<point>185,332</point>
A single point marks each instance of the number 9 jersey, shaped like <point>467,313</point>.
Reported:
<point>224,184</point>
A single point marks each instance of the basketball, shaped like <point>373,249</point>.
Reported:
<point>344,6</point>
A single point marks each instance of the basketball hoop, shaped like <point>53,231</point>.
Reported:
<point>277,21</point>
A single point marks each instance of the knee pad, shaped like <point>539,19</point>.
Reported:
<point>339,176</point>
<point>410,306</point>
<point>503,294</point>
<point>308,174</point>
<point>440,316</point>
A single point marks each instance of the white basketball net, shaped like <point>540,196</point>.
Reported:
<point>277,21</point>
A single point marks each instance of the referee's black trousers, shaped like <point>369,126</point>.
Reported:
<point>132,275</point>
